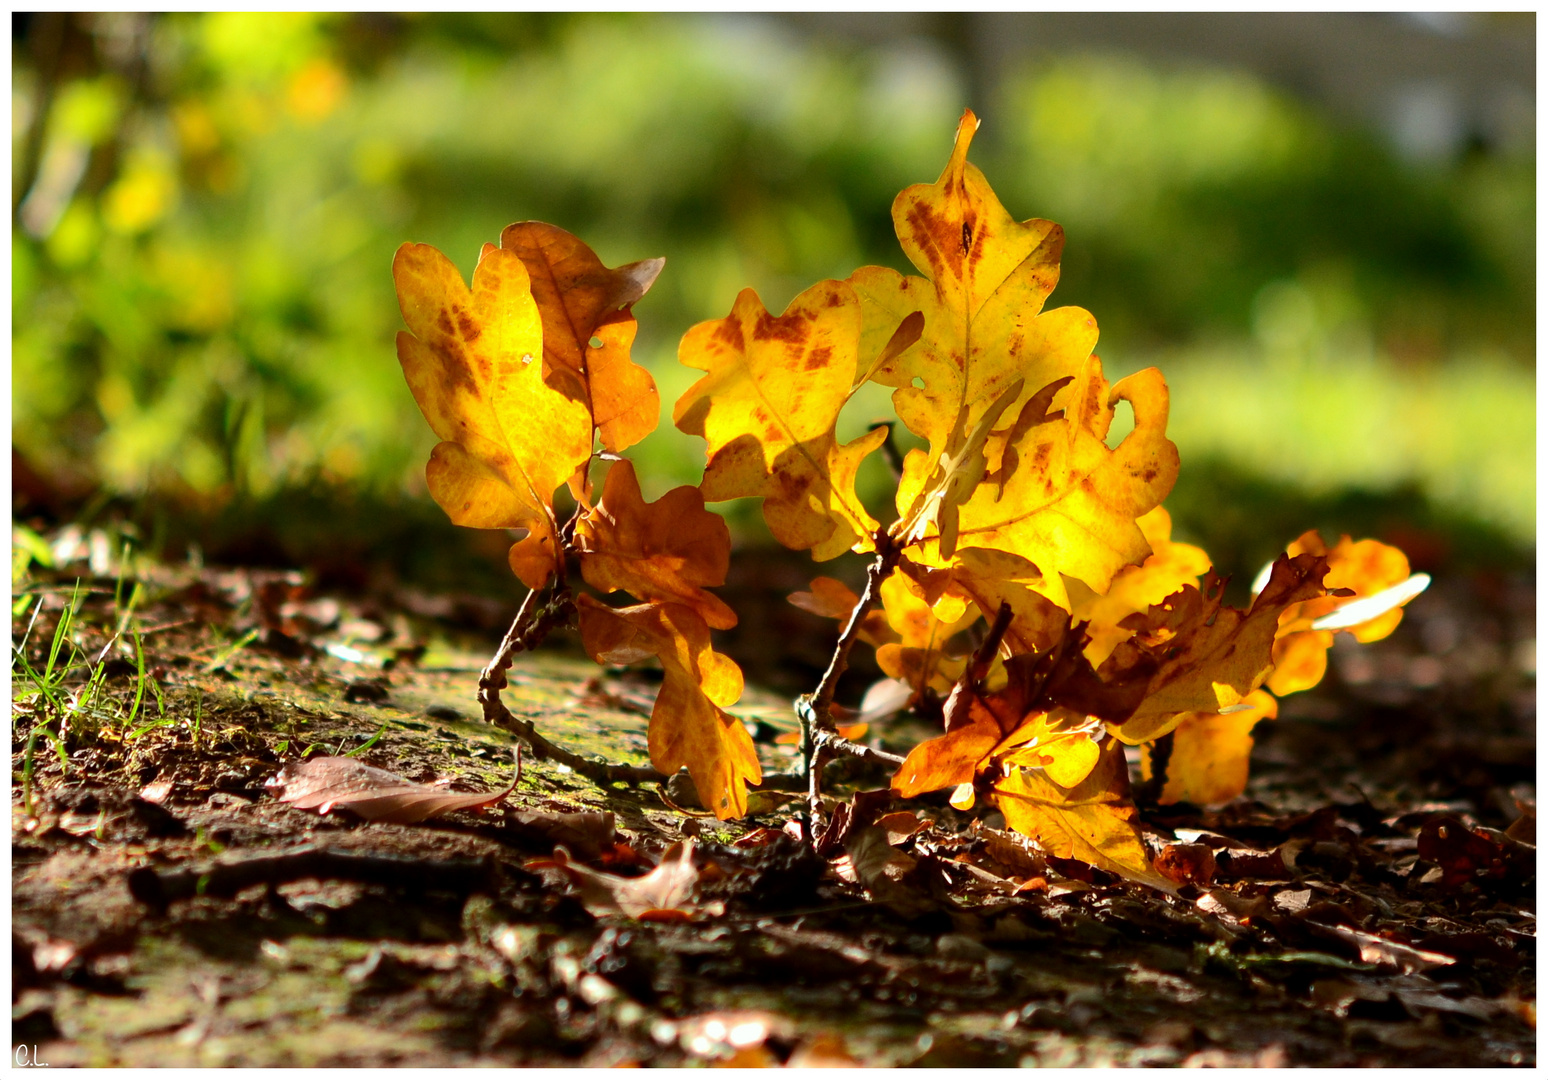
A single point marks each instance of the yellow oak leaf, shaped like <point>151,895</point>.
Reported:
<point>975,724</point>
<point>1365,568</point>
<point>1137,588</point>
<point>587,330</point>
<point>1094,821</point>
<point>666,551</point>
<point>918,656</point>
<point>767,409</point>
<point>1208,763</point>
<point>1003,390</point>
<point>1195,654</point>
<point>986,277</point>
<point>1066,758</point>
<point>1070,506</point>
<point>688,725</point>
<point>473,360</point>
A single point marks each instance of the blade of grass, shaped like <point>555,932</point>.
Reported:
<point>62,633</point>
<point>367,744</point>
<point>225,655</point>
<point>139,680</point>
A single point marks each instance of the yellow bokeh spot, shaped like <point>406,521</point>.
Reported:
<point>316,90</point>
<point>141,196</point>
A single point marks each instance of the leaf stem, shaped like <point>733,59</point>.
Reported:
<point>983,656</point>
<point>819,737</point>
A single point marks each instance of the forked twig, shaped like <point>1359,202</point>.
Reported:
<point>819,737</point>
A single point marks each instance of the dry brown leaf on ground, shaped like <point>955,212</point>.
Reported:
<point>664,894</point>
<point>1380,950</point>
<point>324,783</point>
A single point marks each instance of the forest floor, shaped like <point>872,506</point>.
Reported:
<point>1364,904</point>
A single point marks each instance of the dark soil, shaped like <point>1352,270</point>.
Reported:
<point>1366,907</point>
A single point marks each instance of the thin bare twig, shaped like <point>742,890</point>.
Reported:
<point>815,710</point>
<point>531,625</point>
<point>493,675</point>
<point>837,744</point>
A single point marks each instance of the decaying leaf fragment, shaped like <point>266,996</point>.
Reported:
<point>688,725</point>
<point>327,783</point>
<point>664,894</point>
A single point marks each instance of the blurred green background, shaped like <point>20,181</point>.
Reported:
<point>205,209</point>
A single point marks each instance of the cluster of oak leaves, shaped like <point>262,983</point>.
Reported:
<point>1116,635</point>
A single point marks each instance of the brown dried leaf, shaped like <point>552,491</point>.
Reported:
<point>1197,655</point>
<point>374,794</point>
<point>1186,864</point>
<point>663,894</point>
<point>1379,950</point>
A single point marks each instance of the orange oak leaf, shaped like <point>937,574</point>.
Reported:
<point>1046,696</point>
<point>833,599</point>
<point>688,725</point>
<point>975,724</point>
<point>1196,654</point>
<point>767,409</point>
<point>473,359</point>
<point>667,551</point>
<point>1208,763</point>
<point>1094,821</point>
<point>587,330</point>
<point>1365,568</point>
